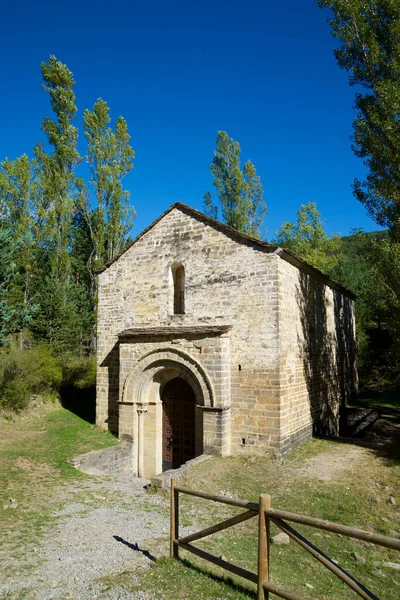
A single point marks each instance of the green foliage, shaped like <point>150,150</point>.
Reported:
<point>55,176</point>
<point>57,229</point>
<point>17,248</point>
<point>14,315</point>
<point>307,239</point>
<point>55,322</point>
<point>239,191</point>
<point>208,206</point>
<point>79,372</point>
<point>370,52</point>
<point>369,268</point>
<point>33,371</point>
<point>15,192</point>
<point>110,157</point>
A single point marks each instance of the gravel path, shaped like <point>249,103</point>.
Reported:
<point>111,525</point>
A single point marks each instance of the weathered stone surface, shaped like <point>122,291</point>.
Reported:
<point>394,533</point>
<point>266,342</point>
<point>116,459</point>
<point>163,480</point>
<point>281,538</point>
<point>181,331</point>
<point>392,565</point>
<point>359,560</point>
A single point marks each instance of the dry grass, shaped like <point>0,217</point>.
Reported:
<point>342,482</point>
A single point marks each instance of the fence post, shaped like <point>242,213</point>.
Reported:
<point>174,520</point>
<point>263,546</point>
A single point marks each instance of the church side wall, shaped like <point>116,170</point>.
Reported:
<point>317,356</point>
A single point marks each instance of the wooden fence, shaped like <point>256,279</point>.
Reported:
<point>262,509</point>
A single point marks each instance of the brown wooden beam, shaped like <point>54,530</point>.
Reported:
<point>219,562</point>
<point>230,501</point>
<point>218,527</point>
<point>279,591</point>
<point>353,532</point>
<point>355,585</point>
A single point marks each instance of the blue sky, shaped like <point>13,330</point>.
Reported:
<point>179,71</point>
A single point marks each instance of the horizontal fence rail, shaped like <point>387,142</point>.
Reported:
<point>351,532</point>
<point>266,515</point>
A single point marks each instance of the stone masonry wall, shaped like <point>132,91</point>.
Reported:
<point>226,282</point>
<point>289,362</point>
<point>317,355</point>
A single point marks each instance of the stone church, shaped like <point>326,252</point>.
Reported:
<point>210,341</point>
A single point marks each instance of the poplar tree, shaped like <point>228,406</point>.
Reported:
<point>239,191</point>
<point>110,158</point>
<point>55,171</point>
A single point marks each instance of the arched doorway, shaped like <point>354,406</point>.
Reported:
<point>179,417</point>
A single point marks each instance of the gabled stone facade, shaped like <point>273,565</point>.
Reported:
<point>265,342</point>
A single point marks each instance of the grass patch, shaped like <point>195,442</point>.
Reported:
<point>336,481</point>
<point>34,450</point>
<point>381,400</point>
<point>357,495</point>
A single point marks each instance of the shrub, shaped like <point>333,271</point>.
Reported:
<point>27,372</point>
<point>79,372</point>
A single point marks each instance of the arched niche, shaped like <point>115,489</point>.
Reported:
<point>143,388</point>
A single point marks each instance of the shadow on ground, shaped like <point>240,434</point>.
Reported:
<point>135,547</point>
<point>81,402</point>
<point>236,587</point>
<point>382,433</point>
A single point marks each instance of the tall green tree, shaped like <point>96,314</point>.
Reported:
<point>16,192</point>
<point>56,229</point>
<point>239,190</point>
<point>307,238</point>
<point>369,32</point>
<point>110,157</point>
<point>14,313</point>
<point>55,171</point>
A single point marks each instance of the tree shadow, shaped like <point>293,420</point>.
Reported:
<point>220,579</point>
<point>329,357</point>
<point>316,353</point>
<point>328,353</point>
<point>112,361</point>
<point>81,402</point>
<point>382,436</point>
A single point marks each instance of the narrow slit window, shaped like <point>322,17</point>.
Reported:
<point>178,280</point>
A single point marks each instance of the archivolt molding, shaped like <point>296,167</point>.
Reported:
<point>153,364</point>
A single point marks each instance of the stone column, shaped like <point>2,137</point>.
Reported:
<point>141,411</point>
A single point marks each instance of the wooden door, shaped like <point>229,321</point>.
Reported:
<point>179,405</point>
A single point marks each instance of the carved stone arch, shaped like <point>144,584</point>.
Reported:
<point>146,380</point>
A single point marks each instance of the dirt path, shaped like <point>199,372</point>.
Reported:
<point>109,528</point>
<point>335,464</point>
<point>108,525</point>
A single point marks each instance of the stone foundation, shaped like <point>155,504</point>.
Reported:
<point>116,459</point>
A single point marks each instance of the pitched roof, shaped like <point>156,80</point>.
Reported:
<point>240,238</point>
